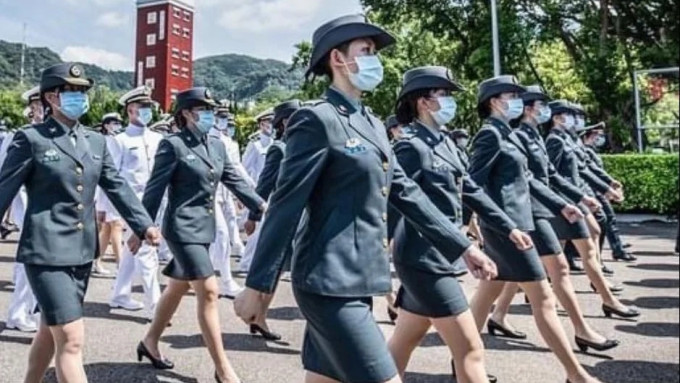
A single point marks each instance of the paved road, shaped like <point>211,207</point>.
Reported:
<point>649,353</point>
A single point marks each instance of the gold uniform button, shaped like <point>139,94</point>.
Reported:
<point>386,166</point>
<point>80,226</point>
<point>385,191</point>
<point>384,217</point>
<point>79,188</point>
<point>80,206</point>
<point>79,171</point>
<point>386,243</point>
<point>210,211</point>
<point>211,198</point>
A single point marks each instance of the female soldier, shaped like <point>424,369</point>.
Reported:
<point>265,187</point>
<point>110,224</point>
<point>61,163</point>
<point>537,112</point>
<point>499,165</point>
<point>430,292</point>
<point>564,157</point>
<point>190,164</point>
<point>339,165</point>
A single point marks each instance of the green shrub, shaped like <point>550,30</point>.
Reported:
<point>650,182</point>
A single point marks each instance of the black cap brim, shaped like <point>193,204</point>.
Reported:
<point>429,82</point>
<point>500,89</point>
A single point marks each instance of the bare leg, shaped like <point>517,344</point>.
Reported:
<point>595,232</point>
<point>543,307</point>
<point>408,333</point>
<point>69,340</point>
<point>481,303</point>
<point>207,295</point>
<point>461,335</point>
<point>41,354</point>
<point>503,303</point>
<point>117,239</point>
<point>558,270</point>
<point>588,252</point>
<point>165,309</point>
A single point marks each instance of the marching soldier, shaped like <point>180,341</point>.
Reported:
<point>340,168</point>
<point>593,138</point>
<point>190,164</point>
<point>134,158</point>
<point>61,163</point>
<point>21,313</point>
<point>110,222</point>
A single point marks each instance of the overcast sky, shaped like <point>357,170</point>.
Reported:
<point>102,31</point>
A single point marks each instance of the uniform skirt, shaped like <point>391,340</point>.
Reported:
<point>544,237</point>
<point>342,340</point>
<point>514,265</point>
<point>190,262</point>
<point>428,294</point>
<point>59,291</point>
<point>567,231</point>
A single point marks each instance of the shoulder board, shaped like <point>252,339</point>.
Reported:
<point>254,137</point>
<point>313,103</point>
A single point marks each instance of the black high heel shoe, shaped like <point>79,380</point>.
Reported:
<point>218,380</point>
<point>610,311</point>
<point>392,314</point>
<point>492,327</point>
<point>613,289</point>
<point>267,335</point>
<point>158,364</point>
<point>584,344</point>
<point>492,379</point>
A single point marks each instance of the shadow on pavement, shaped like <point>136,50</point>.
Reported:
<point>6,286</point>
<point>664,283</point>
<point>497,343</point>
<point>24,339</point>
<point>656,267</point>
<point>235,342</point>
<point>285,313</point>
<point>7,259</point>
<point>664,330</point>
<point>635,371</point>
<point>657,303</point>
<point>102,310</point>
<point>125,372</point>
<point>417,377</point>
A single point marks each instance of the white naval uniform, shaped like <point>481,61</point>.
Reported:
<point>134,157</point>
<point>253,161</point>
<point>230,211</point>
<point>21,312</point>
<point>220,249</point>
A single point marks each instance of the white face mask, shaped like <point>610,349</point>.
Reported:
<point>369,75</point>
<point>462,142</point>
<point>222,123</point>
<point>446,112</point>
<point>600,141</point>
<point>543,115</point>
<point>514,108</point>
<point>580,123</point>
<point>569,122</point>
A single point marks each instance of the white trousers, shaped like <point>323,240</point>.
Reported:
<point>143,265</point>
<point>220,250</point>
<point>231,216</point>
<point>249,252</point>
<point>22,302</point>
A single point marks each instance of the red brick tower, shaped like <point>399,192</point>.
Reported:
<point>164,56</point>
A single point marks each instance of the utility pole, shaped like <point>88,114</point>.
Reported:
<point>23,56</point>
<point>494,37</point>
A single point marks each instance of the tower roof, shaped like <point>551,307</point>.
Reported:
<point>186,4</point>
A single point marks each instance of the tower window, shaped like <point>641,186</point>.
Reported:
<point>151,18</point>
<point>151,39</point>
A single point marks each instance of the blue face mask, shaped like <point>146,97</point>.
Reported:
<point>206,120</point>
<point>144,115</point>
<point>369,75</point>
<point>600,141</point>
<point>580,123</point>
<point>569,122</point>
<point>514,108</point>
<point>73,104</point>
<point>231,131</point>
<point>544,115</point>
<point>446,112</point>
<point>222,124</point>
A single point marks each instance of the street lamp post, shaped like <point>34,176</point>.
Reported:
<point>494,37</point>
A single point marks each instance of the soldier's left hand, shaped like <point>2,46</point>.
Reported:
<point>153,236</point>
<point>572,213</point>
<point>134,243</point>
<point>592,204</point>
<point>616,185</point>
<point>479,264</point>
<point>521,240</point>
